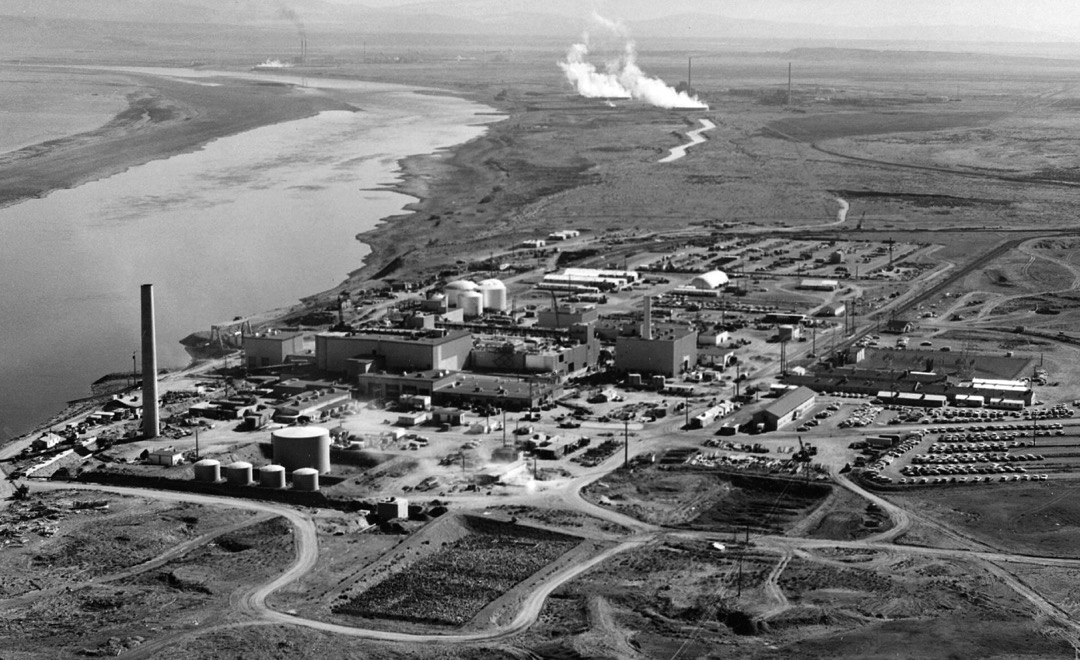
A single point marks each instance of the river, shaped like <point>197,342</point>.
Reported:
<point>248,223</point>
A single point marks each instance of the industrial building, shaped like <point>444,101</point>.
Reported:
<point>271,348</point>
<point>312,406</point>
<point>665,351</point>
<point>714,279</point>
<point>787,408</point>
<point>819,285</point>
<point>446,388</point>
<point>564,235</point>
<point>356,353</point>
<point>564,316</point>
<point>518,355</point>
<point>670,352</point>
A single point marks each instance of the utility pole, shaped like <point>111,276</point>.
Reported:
<point>686,408</point>
<point>134,370</point>
<point>626,442</point>
<point>197,442</point>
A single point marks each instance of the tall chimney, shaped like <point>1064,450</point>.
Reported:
<point>149,362</point>
<point>646,325</point>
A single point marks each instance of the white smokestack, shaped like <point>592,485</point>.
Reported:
<point>622,77</point>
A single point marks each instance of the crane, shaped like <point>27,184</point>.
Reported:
<point>803,456</point>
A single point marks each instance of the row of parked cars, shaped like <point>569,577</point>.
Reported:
<point>973,480</point>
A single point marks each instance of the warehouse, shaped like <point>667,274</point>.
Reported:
<point>787,408</point>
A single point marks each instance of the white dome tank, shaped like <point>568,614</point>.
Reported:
<point>305,479</point>
<point>472,302</point>
<point>494,292</point>
<point>298,447</point>
<point>272,476</point>
<point>208,470</point>
<point>455,289</point>
<point>238,473</point>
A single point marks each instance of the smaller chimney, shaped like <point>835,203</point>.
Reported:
<point>646,324</point>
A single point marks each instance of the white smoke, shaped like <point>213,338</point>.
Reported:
<point>621,78</point>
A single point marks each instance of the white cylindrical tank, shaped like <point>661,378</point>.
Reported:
<point>472,302</point>
<point>305,479</point>
<point>298,447</point>
<point>272,476</point>
<point>208,470</point>
<point>494,292</point>
<point>454,290</point>
<point>238,473</point>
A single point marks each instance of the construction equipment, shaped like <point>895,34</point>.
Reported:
<point>803,457</point>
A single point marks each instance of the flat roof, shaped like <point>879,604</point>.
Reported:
<point>450,336</point>
<point>790,401</point>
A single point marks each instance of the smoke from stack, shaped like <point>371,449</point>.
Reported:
<point>621,77</point>
<point>292,16</point>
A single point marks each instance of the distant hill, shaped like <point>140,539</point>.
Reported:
<point>567,18</point>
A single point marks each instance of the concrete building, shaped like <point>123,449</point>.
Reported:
<point>671,351</point>
<point>787,408</point>
<point>460,389</point>
<point>165,456</point>
<point>270,349</point>
<point>517,355</point>
<point>391,508</point>
<point>564,235</point>
<point>564,316</point>
<point>339,352</point>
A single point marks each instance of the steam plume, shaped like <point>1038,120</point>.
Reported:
<point>621,78</point>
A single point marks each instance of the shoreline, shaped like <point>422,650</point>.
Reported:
<point>407,182</point>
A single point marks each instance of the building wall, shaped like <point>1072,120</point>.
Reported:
<point>668,357</point>
<point>398,353</point>
<point>266,351</point>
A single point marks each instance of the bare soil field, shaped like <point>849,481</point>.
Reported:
<point>450,585</point>
<point>1037,519</point>
<point>97,568</point>
<point>701,499</point>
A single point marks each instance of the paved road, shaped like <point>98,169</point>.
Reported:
<point>251,604</point>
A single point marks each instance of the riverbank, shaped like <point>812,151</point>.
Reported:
<point>165,117</point>
<point>245,225</point>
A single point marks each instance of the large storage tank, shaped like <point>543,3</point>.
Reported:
<point>454,290</point>
<point>305,479</point>
<point>298,447</point>
<point>494,292</point>
<point>272,476</point>
<point>239,473</point>
<point>208,470</point>
<point>472,302</point>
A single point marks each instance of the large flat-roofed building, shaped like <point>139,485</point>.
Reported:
<point>353,353</point>
<point>270,349</point>
<point>459,389</point>
<point>517,355</point>
<point>564,316</point>
<point>671,351</point>
<point>787,408</point>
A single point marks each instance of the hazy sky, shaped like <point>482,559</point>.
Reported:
<point>1060,17</point>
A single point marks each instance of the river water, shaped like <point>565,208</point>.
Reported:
<point>248,223</point>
